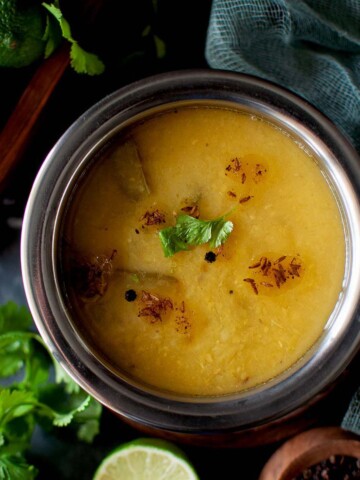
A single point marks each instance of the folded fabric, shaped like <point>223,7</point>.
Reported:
<point>351,420</point>
<point>311,47</point>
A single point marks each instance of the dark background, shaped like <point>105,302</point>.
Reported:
<point>113,29</point>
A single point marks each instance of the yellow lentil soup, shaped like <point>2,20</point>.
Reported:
<point>207,320</point>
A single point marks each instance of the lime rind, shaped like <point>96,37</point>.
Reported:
<point>146,459</point>
<point>21,32</point>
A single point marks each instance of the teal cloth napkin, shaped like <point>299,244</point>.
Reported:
<point>351,420</point>
<point>311,47</point>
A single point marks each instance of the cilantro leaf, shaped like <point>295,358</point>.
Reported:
<point>13,317</point>
<point>190,231</point>
<point>85,62</point>
<point>16,417</point>
<point>220,232</point>
<point>33,397</point>
<point>81,60</point>
<point>18,350</point>
<point>19,430</point>
<point>52,35</point>
<point>13,404</point>
<point>80,411</point>
<point>87,421</point>
<point>37,367</point>
<point>63,419</point>
<point>14,467</point>
<point>171,242</point>
<point>62,377</point>
<point>60,374</point>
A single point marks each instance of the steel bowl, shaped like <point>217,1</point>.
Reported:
<point>248,416</point>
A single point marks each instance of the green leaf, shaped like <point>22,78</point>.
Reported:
<point>193,231</point>
<point>54,9</point>
<point>34,399</point>
<point>64,419</point>
<point>63,23</point>
<point>60,374</point>
<point>220,232</point>
<point>20,430</point>
<point>190,231</point>
<point>52,35</point>
<point>62,377</point>
<point>88,430</point>
<point>81,60</point>
<point>14,467</point>
<point>10,364</point>
<point>37,366</point>
<point>171,242</point>
<point>16,416</point>
<point>87,422</point>
<point>59,409</point>
<point>85,62</point>
<point>14,404</point>
<point>160,47</point>
<point>17,350</point>
<point>14,317</point>
<point>146,31</point>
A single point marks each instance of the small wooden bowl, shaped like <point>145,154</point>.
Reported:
<point>309,448</point>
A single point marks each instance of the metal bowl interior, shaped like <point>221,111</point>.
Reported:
<point>47,204</point>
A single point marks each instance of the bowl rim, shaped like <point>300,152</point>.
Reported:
<point>38,251</point>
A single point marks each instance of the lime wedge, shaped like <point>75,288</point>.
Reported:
<point>146,459</point>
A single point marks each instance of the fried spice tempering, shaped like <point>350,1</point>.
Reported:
<point>275,273</point>
<point>245,199</point>
<point>91,276</point>
<point>234,165</point>
<point>260,170</point>
<point>154,306</point>
<point>253,285</point>
<point>153,218</point>
<point>246,171</point>
<point>192,210</point>
<point>183,324</point>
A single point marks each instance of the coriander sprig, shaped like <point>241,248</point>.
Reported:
<point>190,231</point>
<point>34,389</point>
<point>81,60</point>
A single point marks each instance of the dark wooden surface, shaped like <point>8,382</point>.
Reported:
<point>184,30</point>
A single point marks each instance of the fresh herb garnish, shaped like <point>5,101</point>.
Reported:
<point>190,231</point>
<point>34,390</point>
<point>81,60</point>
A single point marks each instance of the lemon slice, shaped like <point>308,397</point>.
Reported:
<point>146,459</point>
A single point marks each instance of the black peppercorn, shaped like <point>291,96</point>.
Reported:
<point>130,295</point>
<point>210,257</point>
